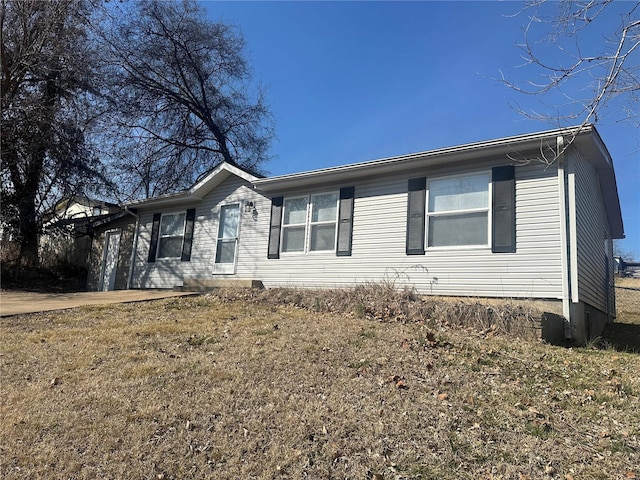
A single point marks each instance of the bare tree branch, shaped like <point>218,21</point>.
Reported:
<point>183,89</point>
<point>47,79</point>
<point>590,76</point>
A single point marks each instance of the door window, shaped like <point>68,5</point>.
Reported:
<point>228,234</point>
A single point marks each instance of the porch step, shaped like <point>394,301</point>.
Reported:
<point>208,284</point>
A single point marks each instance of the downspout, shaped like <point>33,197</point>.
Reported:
<point>564,235</point>
<point>135,245</point>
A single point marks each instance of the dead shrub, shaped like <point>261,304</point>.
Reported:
<point>385,303</point>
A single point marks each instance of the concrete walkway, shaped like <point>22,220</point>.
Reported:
<point>17,303</point>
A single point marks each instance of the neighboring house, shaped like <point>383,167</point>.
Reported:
<point>79,207</point>
<point>626,269</point>
<point>487,219</point>
<point>65,237</point>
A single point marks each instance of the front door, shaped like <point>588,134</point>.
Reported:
<point>227,241</point>
<point>110,262</point>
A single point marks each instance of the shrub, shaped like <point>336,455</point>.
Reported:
<point>385,303</point>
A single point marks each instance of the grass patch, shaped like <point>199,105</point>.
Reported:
<point>228,387</point>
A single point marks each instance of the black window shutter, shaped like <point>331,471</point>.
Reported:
<point>274,229</point>
<point>155,232</point>
<point>345,222</point>
<point>504,211</point>
<point>415,216</point>
<point>188,235</point>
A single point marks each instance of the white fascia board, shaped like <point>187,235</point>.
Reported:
<point>216,177</point>
<point>506,146</point>
<point>197,192</point>
<point>162,200</point>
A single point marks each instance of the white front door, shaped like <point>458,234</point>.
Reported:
<point>110,261</point>
<point>227,241</point>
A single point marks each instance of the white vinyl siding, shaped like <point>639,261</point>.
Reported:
<point>379,243</point>
<point>171,271</point>
<point>592,232</point>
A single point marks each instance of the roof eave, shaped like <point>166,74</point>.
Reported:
<point>507,146</point>
<point>172,199</point>
<point>217,176</point>
<point>198,191</point>
<point>585,137</point>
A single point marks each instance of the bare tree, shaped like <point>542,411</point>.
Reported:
<point>184,97</point>
<point>46,80</point>
<point>585,59</point>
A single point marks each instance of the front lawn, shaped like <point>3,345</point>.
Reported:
<point>208,387</point>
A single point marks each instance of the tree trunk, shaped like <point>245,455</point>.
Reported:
<point>28,232</point>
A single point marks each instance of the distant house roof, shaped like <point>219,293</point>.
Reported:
<point>78,207</point>
<point>85,201</point>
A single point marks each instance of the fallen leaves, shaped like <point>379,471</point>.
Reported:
<point>399,382</point>
<point>322,397</point>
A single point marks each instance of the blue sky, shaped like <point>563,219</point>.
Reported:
<point>355,81</point>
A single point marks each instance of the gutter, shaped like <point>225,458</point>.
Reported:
<point>564,243</point>
<point>135,245</point>
<point>504,146</point>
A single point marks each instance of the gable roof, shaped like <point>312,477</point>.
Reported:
<point>585,138</point>
<point>199,189</point>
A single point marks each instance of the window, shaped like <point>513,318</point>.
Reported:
<point>463,210</point>
<point>171,235</point>
<point>458,211</point>
<point>324,212</point>
<point>322,222</point>
<point>309,223</point>
<point>294,224</point>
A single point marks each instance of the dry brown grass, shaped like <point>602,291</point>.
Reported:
<point>628,300</point>
<point>383,302</point>
<point>624,334</point>
<point>221,388</point>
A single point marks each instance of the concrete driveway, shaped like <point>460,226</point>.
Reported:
<point>17,303</point>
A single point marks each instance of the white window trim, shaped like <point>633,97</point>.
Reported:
<point>160,236</point>
<point>308,224</point>
<point>487,209</point>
